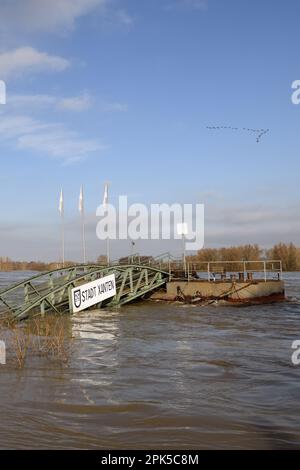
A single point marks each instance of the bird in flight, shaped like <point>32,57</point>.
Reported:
<point>259,132</point>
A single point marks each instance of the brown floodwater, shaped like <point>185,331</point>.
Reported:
<point>155,375</point>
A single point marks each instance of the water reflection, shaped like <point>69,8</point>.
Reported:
<point>154,375</point>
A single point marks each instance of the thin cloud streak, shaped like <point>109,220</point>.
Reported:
<point>79,103</point>
<point>75,103</point>
<point>60,143</point>
<point>24,60</point>
<point>36,16</point>
<point>47,139</point>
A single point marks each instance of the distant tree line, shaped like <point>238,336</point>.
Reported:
<point>7,264</point>
<point>289,254</point>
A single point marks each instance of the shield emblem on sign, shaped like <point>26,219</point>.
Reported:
<point>77,298</point>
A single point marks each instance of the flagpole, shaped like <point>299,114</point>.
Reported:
<point>63,238</point>
<point>83,239</point>
<point>107,251</point>
<point>105,203</point>
<point>81,210</point>
<point>62,214</point>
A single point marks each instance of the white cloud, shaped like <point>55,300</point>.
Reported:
<point>11,127</point>
<point>75,103</point>
<point>59,143</point>
<point>28,59</point>
<point>79,103</point>
<point>44,15</point>
<point>23,126</point>
<point>31,101</point>
<point>46,139</point>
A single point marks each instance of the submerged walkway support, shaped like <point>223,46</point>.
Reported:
<point>49,292</point>
<point>138,276</point>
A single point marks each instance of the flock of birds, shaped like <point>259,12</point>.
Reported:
<point>259,132</point>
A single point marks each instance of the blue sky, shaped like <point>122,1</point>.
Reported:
<point>123,90</point>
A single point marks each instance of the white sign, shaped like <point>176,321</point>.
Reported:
<point>2,353</point>
<point>92,293</point>
<point>182,229</point>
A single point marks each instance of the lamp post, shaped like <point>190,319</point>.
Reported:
<point>182,229</point>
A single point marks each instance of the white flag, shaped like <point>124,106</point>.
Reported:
<point>81,204</point>
<point>61,203</point>
<point>105,198</point>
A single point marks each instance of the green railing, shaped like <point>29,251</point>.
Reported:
<point>49,292</point>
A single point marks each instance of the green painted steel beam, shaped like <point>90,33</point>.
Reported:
<point>132,282</point>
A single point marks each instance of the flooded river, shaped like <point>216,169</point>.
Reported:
<point>155,375</point>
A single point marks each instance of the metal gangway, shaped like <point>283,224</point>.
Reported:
<point>136,276</point>
<point>49,292</point>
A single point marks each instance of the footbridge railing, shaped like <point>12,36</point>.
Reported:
<point>49,292</point>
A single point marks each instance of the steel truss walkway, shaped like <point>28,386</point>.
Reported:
<point>49,292</point>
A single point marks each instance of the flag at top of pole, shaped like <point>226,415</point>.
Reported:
<point>105,197</point>
<point>61,203</point>
<point>81,203</point>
